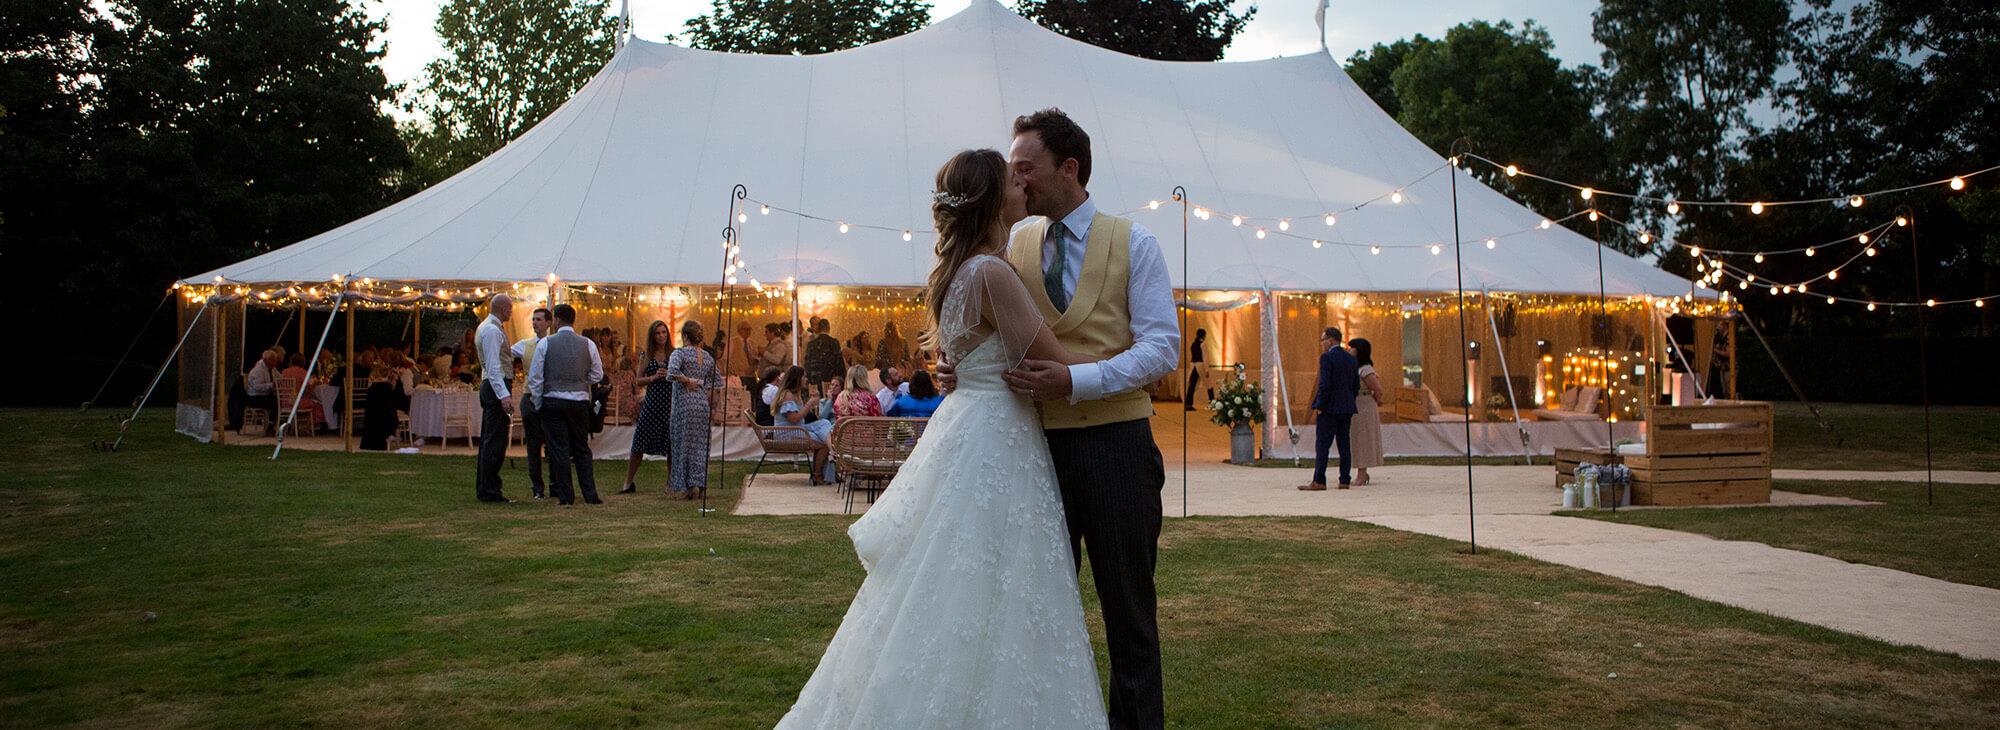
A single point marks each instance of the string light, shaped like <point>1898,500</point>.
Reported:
<point>1260,234</point>
<point>1376,250</point>
<point>1673,208</point>
<point>1435,250</point>
<point>1316,243</point>
<point>1546,223</point>
<point>1854,202</point>
<point>766,210</point>
<point>1284,225</point>
<point>843,228</point>
<point>906,235</point>
<point>1155,205</point>
<point>1329,219</point>
<point>1236,221</point>
<point>1396,197</point>
<point>1512,171</point>
<point>1756,208</point>
<point>1759,258</point>
<point>1958,183</point>
<point>1490,243</point>
<point>742,217</point>
<point>1587,193</point>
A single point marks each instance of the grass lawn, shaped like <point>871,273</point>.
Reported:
<point>175,584</point>
<point>1956,537</point>
<point>1886,438</point>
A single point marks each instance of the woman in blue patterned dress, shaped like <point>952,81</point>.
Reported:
<point>652,433</point>
<point>694,374</point>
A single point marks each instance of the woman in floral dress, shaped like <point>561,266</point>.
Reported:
<point>652,434</point>
<point>694,374</point>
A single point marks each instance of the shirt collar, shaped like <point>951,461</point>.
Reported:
<point>493,319</point>
<point>566,328</point>
<point>1078,221</point>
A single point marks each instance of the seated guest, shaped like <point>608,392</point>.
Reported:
<point>790,407</point>
<point>767,389</point>
<point>440,369</point>
<point>922,400</point>
<point>260,386</point>
<point>467,369</point>
<point>892,386</point>
<point>308,406</point>
<point>856,400</point>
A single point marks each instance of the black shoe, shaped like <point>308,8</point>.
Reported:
<point>566,503</point>
<point>538,494</point>
<point>593,500</point>
<point>629,489</point>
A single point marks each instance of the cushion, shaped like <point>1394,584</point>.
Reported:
<point>1569,398</point>
<point>1436,408</point>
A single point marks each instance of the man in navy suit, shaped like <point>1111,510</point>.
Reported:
<point>1333,402</point>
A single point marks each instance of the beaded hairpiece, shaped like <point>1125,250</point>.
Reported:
<point>952,199</point>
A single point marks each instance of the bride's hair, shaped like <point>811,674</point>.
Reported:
<point>968,201</point>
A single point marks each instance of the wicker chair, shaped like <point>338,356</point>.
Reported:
<point>787,440</point>
<point>871,449</point>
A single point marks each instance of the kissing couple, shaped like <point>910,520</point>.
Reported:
<point>970,615</point>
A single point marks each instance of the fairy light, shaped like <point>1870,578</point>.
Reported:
<point>1435,250</point>
<point>1316,243</point>
<point>1396,197</point>
<point>1490,243</point>
<point>1376,250</point>
<point>1587,193</point>
<point>1155,205</point>
<point>1871,306</point>
<point>906,235</point>
<point>742,217</point>
<point>1834,274</point>
<point>1871,251</point>
<point>1902,221</point>
<point>1260,234</point>
<point>1958,183</point>
<point>1593,215</point>
<point>1863,237</point>
<point>1855,202</point>
<point>1756,208</point>
<point>1512,171</point>
<point>1236,221</point>
<point>1930,302</point>
<point>1329,219</point>
<point>843,228</point>
<point>1673,208</point>
<point>1546,223</point>
<point>1284,225</point>
<point>1809,253</point>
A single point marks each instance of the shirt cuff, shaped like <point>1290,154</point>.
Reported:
<point>1086,382</point>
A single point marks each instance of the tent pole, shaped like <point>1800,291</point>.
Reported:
<point>311,366</point>
<point>1465,366</point>
<point>1180,194</point>
<point>218,395</point>
<point>347,388</point>
<point>141,405</point>
<point>128,350</point>
<point>302,328</point>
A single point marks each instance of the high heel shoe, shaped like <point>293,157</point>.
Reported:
<point>629,489</point>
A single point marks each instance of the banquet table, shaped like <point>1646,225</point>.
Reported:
<point>427,407</point>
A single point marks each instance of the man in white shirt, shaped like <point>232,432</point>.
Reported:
<point>1109,471</point>
<point>496,399</point>
<point>260,388</point>
<point>892,385</point>
<point>559,380</point>
<point>531,420</point>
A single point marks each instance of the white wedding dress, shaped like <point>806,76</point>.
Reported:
<point>969,616</point>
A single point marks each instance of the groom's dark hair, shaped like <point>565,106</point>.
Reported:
<point>1061,136</point>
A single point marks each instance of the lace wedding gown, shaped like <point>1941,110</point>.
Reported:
<point>969,616</point>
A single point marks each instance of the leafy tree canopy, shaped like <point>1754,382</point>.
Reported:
<point>802,27</point>
<point>1164,30</point>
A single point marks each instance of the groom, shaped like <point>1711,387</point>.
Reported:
<point>1101,284</point>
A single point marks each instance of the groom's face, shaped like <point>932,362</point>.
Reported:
<point>1040,174</point>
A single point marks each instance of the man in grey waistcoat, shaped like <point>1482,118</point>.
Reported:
<point>559,380</point>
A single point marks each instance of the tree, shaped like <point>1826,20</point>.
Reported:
<point>802,26</point>
<point>507,65</point>
<point>1501,88</point>
<point>46,86</point>
<point>1681,76</point>
<point>1164,30</point>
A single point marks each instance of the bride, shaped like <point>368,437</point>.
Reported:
<point>969,615</point>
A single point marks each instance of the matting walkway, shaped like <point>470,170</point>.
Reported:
<point>1512,506</point>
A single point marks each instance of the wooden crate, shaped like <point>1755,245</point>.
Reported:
<point>1712,454</point>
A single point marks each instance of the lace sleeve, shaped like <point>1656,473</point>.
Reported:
<point>988,299</point>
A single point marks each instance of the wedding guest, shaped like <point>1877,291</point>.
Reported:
<point>1197,367</point>
<point>693,372</point>
<point>738,360</point>
<point>766,390</point>
<point>565,367</point>
<point>467,369</point>
<point>532,433</point>
<point>295,372</point>
<point>777,351</point>
<point>496,397</point>
<point>860,349</point>
<point>440,370</point>
<point>1333,406</point>
<point>892,386</point>
<point>856,400</point>
<point>822,353</point>
<point>1365,438</point>
<point>893,352</point>
<point>652,434</point>
<point>260,388</point>
<point>790,407</point>
<point>922,400</point>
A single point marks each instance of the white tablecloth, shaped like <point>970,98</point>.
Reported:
<point>427,412</point>
<point>328,398</point>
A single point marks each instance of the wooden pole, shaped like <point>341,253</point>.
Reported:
<point>219,402</point>
<point>347,388</point>
<point>302,329</point>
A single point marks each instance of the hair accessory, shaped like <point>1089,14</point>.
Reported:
<point>952,199</point>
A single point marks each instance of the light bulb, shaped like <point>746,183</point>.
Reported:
<point>1260,234</point>
<point>1863,237</point>
<point>1809,252</point>
<point>1871,250</point>
<point>1774,291</point>
<point>1834,274</point>
<point>1958,183</point>
<point>1435,250</point>
<point>1236,221</point>
<point>766,210</point>
<point>1396,197</point>
<point>1645,237</point>
<point>1871,306</point>
<point>1673,209</point>
<point>1930,302</point>
<point>1512,171</point>
<point>1586,193</point>
<point>906,235</point>
<point>1490,243</point>
<point>1329,219</point>
<point>1315,244</point>
<point>730,280</point>
<point>1593,214</point>
<point>1376,250</point>
<point>742,217</point>
<point>1756,208</point>
<point>1743,285</point>
<point>1546,223</point>
<point>1155,205</point>
<point>1829,300</point>
<point>1284,225</point>
<point>1759,258</point>
<point>1901,221</point>
<point>1979,303</point>
<point>843,228</point>
<point>1855,202</point>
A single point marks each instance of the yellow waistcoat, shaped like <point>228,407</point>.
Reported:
<point>1098,322</point>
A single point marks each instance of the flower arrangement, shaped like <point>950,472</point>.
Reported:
<point>1494,405</point>
<point>1237,403</point>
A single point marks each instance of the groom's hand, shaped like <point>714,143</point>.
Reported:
<point>1040,380</point>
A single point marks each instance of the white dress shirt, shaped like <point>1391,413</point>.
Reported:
<point>770,393</point>
<point>885,398</point>
<point>259,381</point>
<point>493,363</point>
<point>536,383</point>
<point>1149,294</point>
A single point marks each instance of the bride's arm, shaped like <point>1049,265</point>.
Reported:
<point>1045,347</point>
<point>1012,316</point>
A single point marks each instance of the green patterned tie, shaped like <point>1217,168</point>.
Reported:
<point>1052,278</point>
